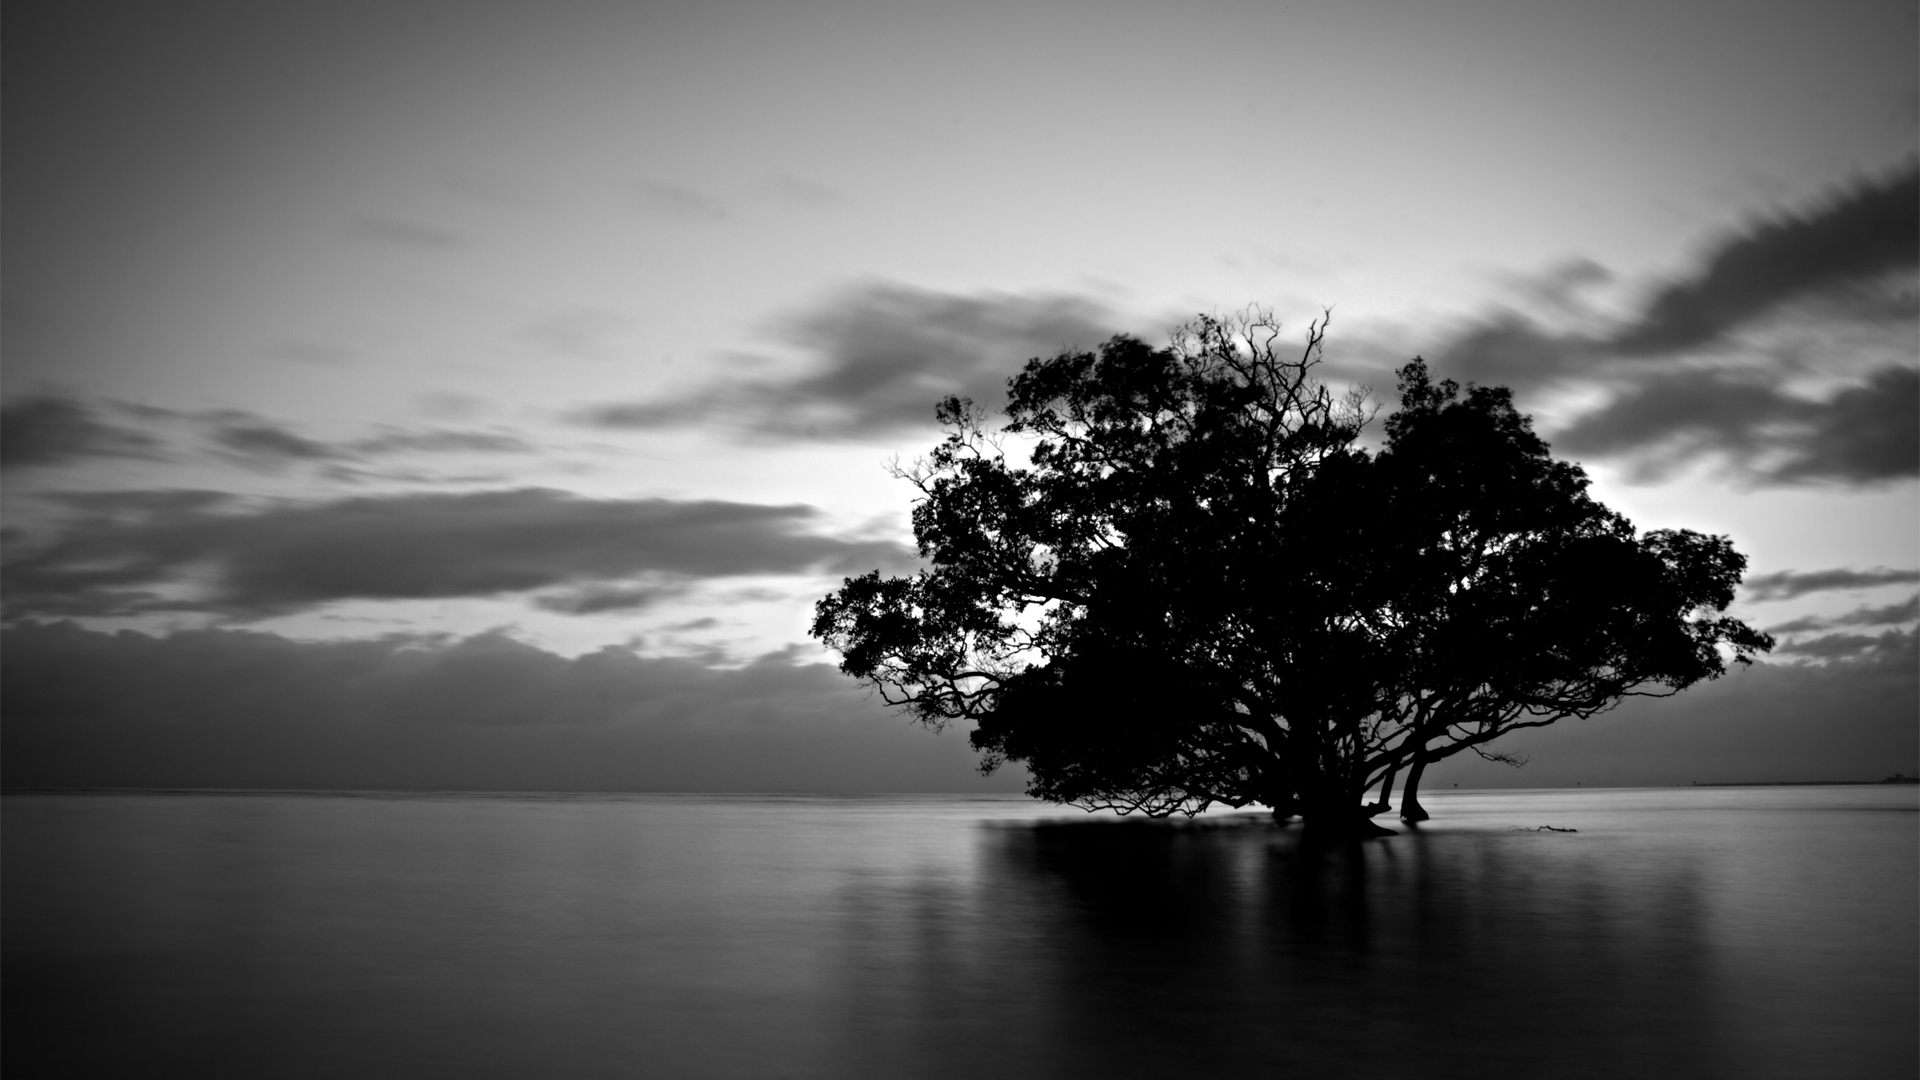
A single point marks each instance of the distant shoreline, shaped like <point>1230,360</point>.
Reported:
<point>1895,779</point>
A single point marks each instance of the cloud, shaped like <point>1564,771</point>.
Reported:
<point>440,442</point>
<point>1714,365</point>
<point>257,441</point>
<point>49,430</point>
<point>222,708</point>
<point>1854,236</point>
<point>600,599</point>
<point>885,355</point>
<point>131,552</point>
<point>1859,434</point>
<point>1851,646</point>
<point>1698,371</point>
<point>1885,615</point>
<point>1788,584</point>
<point>55,430</point>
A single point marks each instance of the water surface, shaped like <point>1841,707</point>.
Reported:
<point>1736,932</point>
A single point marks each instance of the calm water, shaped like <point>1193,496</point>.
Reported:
<point>1698,932</point>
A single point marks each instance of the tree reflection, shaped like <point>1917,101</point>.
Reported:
<point>1122,949</point>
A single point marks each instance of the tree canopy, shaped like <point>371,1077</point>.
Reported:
<point>1176,577</point>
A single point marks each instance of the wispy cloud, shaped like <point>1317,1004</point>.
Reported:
<point>262,442</point>
<point>255,440</point>
<point>198,551</point>
<point>883,356</point>
<point>54,430</point>
<point>601,599</point>
<point>1906,611</point>
<point>1699,370</point>
<point>1788,584</point>
<point>1855,648</point>
<point>50,430</point>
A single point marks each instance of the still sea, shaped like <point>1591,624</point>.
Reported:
<point>1701,932</point>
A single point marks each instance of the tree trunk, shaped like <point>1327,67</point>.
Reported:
<point>1410,808</point>
<point>1385,803</point>
<point>1335,814</point>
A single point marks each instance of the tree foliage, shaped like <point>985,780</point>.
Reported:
<point>1174,577</point>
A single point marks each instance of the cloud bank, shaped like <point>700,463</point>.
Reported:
<point>227,708</point>
<point>237,709</point>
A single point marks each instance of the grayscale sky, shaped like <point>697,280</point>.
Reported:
<point>541,361</point>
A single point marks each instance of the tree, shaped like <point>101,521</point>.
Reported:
<point>1507,596</point>
<point>1187,583</point>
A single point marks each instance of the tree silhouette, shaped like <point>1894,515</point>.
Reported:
<point>1198,588</point>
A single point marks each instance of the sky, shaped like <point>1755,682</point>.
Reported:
<point>478,395</point>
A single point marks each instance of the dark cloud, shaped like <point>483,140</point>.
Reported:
<point>57,430</point>
<point>1512,350</point>
<point>1884,615</point>
<point>1857,235</point>
<point>1859,434</point>
<point>441,442</point>
<point>54,430</point>
<point>1787,584</point>
<point>1852,238</point>
<point>1663,410</point>
<point>258,441</point>
<point>600,599</point>
<point>886,355</point>
<point>213,708</point>
<point>136,552</point>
